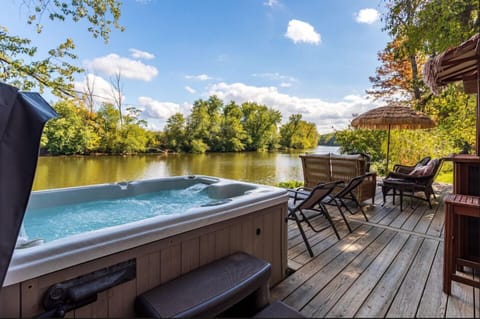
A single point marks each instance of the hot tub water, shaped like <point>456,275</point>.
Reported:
<point>217,203</point>
<point>61,221</point>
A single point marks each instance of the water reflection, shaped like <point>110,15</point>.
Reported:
<point>264,168</point>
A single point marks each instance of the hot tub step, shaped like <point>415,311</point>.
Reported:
<point>210,290</point>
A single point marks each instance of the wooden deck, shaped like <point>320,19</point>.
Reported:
<point>391,266</point>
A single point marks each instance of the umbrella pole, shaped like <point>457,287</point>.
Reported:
<point>388,149</point>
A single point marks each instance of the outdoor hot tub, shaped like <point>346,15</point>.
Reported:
<point>205,219</point>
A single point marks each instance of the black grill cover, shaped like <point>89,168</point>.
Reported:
<point>22,117</point>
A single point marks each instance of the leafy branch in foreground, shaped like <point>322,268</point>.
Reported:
<point>21,69</point>
<point>20,61</point>
<point>101,14</point>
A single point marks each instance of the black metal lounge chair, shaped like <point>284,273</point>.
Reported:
<point>347,194</point>
<point>304,202</point>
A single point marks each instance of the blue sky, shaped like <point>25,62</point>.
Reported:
<point>312,57</point>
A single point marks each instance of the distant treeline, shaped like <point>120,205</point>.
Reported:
<point>329,139</point>
<point>214,126</point>
<point>211,126</point>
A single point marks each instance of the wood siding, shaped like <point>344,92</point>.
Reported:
<point>261,233</point>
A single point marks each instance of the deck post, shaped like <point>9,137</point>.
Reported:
<point>477,131</point>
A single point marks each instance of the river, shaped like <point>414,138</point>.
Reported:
<point>258,167</point>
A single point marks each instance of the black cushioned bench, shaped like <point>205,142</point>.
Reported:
<point>210,290</point>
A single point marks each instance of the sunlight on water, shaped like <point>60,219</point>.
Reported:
<point>62,221</point>
<point>267,168</point>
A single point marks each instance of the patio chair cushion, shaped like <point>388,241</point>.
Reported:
<point>423,170</point>
<point>419,170</point>
<point>406,169</point>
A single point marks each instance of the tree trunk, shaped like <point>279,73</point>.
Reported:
<point>415,82</point>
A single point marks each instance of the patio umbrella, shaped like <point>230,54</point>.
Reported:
<point>392,117</point>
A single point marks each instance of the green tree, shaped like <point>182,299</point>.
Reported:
<point>419,28</point>
<point>133,139</point>
<point>362,141</point>
<point>22,69</point>
<point>132,116</point>
<point>446,23</point>
<point>232,133</point>
<point>70,133</point>
<point>401,59</point>
<point>298,134</point>
<point>197,145</point>
<point>289,129</point>
<point>156,142</point>
<point>77,131</point>
<point>454,112</point>
<point>19,58</point>
<point>307,136</point>
<point>260,124</point>
<point>203,125</point>
<point>175,132</point>
<point>109,127</point>
<point>214,111</point>
<point>328,139</point>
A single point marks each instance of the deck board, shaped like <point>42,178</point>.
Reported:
<point>379,300</point>
<point>327,298</point>
<point>291,283</point>
<point>303,294</point>
<point>390,266</point>
<point>358,292</point>
<point>409,294</point>
<point>434,301</point>
<point>460,302</point>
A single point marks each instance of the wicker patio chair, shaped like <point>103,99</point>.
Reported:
<point>398,168</point>
<point>418,180</point>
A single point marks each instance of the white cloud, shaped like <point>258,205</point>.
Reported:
<point>112,63</point>
<point>157,109</point>
<point>102,89</point>
<point>300,31</point>
<point>324,114</point>
<point>190,89</point>
<point>367,16</point>
<point>200,77</point>
<point>271,3</point>
<point>156,113</point>
<point>137,54</point>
